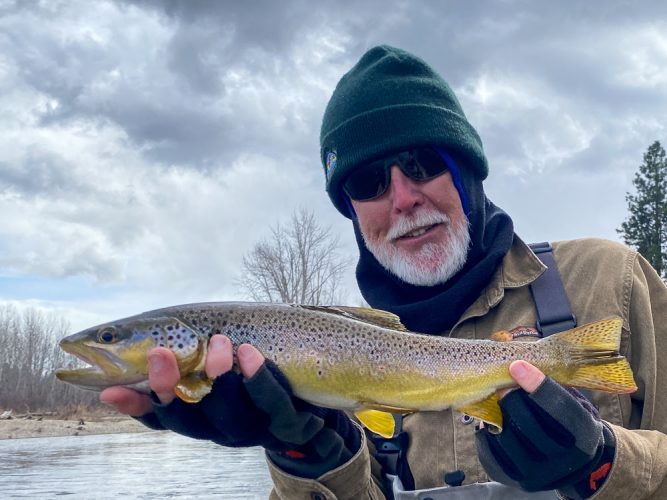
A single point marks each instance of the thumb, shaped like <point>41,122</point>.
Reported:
<point>526,375</point>
<point>250,360</point>
<point>163,373</point>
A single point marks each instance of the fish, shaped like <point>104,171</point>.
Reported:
<point>360,360</point>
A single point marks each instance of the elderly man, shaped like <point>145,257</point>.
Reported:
<point>404,164</point>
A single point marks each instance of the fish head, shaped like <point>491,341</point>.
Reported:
<point>117,352</point>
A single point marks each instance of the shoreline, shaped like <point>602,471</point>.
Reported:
<point>32,426</point>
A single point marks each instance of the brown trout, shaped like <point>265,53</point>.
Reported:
<point>355,359</point>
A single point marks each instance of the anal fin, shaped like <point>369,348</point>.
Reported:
<point>380,422</point>
<point>486,410</point>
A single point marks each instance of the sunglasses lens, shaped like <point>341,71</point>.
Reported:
<point>371,181</point>
<point>368,182</point>
<point>425,164</point>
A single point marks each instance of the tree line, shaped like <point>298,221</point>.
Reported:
<point>30,354</point>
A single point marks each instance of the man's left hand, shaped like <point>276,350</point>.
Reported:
<point>552,438</point>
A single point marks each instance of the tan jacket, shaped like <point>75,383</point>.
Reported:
<point>601,279</point>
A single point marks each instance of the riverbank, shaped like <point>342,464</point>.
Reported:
<point>29,426</point>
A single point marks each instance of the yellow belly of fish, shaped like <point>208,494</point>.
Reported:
<point>346,386</point>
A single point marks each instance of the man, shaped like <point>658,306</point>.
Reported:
<point>402,161</point>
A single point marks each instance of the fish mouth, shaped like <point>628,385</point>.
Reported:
<point>105,368</point>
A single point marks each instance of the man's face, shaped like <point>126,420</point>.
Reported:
<point>417,229</point>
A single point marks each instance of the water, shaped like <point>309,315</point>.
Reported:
<point>146,465</point>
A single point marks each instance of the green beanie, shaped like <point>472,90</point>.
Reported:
<point>388,102</point>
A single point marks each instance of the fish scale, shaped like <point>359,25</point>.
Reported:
<point>356,359</point>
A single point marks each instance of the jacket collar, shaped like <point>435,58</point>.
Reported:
<point>519,267</point>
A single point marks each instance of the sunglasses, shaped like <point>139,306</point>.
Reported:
<point>372,180</point>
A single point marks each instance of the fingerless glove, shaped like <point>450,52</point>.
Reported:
<point>552,439</point>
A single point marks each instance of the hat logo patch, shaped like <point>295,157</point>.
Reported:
<point>330,164</point>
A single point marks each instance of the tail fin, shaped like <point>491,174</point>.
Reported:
<point>593,351</point>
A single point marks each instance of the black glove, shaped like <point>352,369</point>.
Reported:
<point>301,438</point>
<point>552,439</point>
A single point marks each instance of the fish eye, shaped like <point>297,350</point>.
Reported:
<point>107,335</point>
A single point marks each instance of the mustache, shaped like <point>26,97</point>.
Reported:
<point>406,224</point>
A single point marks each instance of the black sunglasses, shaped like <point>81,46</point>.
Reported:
<point>372,180</point>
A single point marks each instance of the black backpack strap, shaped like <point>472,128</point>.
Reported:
<point>390,453</point>
<point>553,309</point>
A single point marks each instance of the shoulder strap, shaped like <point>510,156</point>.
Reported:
<point>390,453</point>
<point>553,309</point>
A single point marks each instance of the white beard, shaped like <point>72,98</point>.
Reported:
<point>434,263</point>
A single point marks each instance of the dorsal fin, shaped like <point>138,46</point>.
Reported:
<point>376,317</point>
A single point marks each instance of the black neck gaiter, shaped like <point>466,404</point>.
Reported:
<point>435,309</point>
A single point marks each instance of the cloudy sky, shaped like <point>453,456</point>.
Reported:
<point>147,145</point>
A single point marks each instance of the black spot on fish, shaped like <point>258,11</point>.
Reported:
<point>170,328</point>
<point>180,346</point>
<point>192,335</point>
<point>156,333</point>
<point>171,337</point>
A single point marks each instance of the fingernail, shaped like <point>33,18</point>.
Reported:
<point>155,363</point>
<point>217,342</point>
<point>243,352</point>
<point>519,370</point>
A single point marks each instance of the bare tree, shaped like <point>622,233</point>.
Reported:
<point>297,264</point>
<point>30,354</point>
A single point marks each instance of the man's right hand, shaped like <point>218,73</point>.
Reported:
<point>254,408</point>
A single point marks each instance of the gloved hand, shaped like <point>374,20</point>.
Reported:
<point>552,439</point>
<point>301,438</point>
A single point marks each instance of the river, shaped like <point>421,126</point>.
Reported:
<point>145,465</point>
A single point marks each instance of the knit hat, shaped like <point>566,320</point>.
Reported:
<point>388,102</point>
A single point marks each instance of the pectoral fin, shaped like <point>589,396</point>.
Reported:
<point>193,387</point>
<point>486,410</point>
<point>380,422</point>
